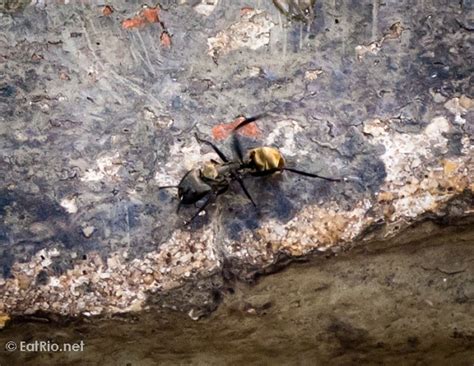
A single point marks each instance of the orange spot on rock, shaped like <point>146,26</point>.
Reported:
<point>222,131</point>
<point>145,16</point>
<point>449,167</point>
<point>151,15</point>
<point>165,39</point>
<point>132,23</point>
<point>107,10</point>
<point>245,10</point>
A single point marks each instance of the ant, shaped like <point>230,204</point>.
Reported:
<point>213,178</point>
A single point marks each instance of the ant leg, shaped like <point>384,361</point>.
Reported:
<point>311,175</point>
<point>246,121</point>
<point>209,199</point>
<point>266,172</point>
<point>166,187</point>
<point>202,208</point>
<point>214,147</point>
<point>306,174</point>
<point>241,182</point>
<point>237,147</point>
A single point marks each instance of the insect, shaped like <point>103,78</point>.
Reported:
<point>213,178</point>
<point>301,10</point>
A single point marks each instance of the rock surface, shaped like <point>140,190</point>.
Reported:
<point>410,304</point>
<point>98,108</point>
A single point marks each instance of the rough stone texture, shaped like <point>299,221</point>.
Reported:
<point>94,117</point>
<point>409,305</point>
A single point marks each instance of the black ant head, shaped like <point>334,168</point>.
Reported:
<point>192,188</point>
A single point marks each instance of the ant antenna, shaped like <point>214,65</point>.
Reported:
<point>312,175</point>
<point>235,141</point>
<point>246,121</point>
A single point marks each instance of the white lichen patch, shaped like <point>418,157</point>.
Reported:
<point>87,231</point>
<point>312,75</point>
<point>91,175</point>
<point>373,48</point>
<point>107,167</point>
<point>69,204</point>
<point>403,151</point>
<point>186,156</point>
<point>288,129</point>
<point>459,107</point>
<point>251,31</point>
<point>419,179</point>
<point>206,7</point>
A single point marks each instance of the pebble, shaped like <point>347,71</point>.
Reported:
<point>88,231</point>
<point>148,279</point>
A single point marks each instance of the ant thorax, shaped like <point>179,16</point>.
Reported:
<point>209,170</point>
<point>266,158</point>
<point>215,171</point>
